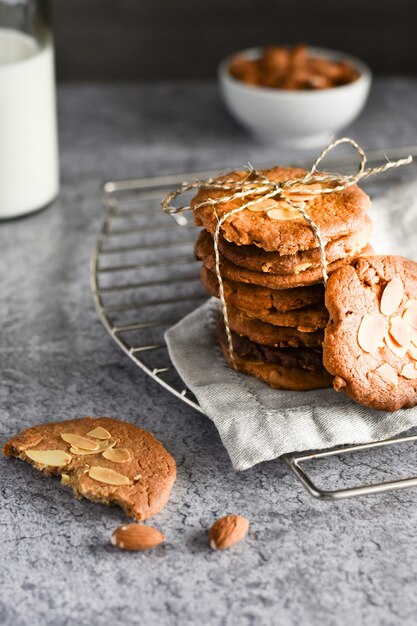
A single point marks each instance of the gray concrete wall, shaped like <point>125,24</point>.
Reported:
<point>180,39</point>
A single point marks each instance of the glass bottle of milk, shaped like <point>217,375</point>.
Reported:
<point>29,171</point>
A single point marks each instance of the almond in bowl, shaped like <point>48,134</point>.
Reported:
<point>296,97</point>
<point>293,68</point>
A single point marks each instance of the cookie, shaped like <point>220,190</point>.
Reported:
<point>269,335</point>
<point>278,376</point>
<point>370,343</point>
<point>301,358</point>
<point>204,251</point>
<point>256,298</point>
<point>308,319</point>
<point>256,259</point>
<point>104,460</point>
<point>284,231</point>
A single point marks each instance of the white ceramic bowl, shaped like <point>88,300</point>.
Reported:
<point>298,119</point>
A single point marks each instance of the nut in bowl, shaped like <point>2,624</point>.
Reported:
<point>300,113</point>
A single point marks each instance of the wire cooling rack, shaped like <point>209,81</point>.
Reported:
<point>144,279</point>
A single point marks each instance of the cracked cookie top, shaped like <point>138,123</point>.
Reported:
<point>273,225</point>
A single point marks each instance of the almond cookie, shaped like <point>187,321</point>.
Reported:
<point>254,297</point>
<point>277,229</point>
<point>104,460</point>
<point>254,258</point>
<point>269,335</point>
<point>276,375</point>
<point>370,343</point>
<point>204,250</point>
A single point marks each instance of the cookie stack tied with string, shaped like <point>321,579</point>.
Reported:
<point>285,250</point>
<point>270,263</point>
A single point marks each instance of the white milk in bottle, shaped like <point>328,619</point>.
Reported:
<point>29,177</point>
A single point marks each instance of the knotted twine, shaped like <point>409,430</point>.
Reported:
<point>256,188</point>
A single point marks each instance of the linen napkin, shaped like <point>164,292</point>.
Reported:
<point>257,423</point>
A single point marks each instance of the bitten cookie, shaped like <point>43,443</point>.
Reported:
<point>104,459</point>
<point>275,228</point>
<point>370,343</point>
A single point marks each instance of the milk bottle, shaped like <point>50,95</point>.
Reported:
<point>29,176</point>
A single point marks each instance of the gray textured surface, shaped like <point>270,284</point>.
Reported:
<point>304,562</point>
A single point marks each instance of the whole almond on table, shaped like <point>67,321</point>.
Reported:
<point>227,531</point>
<point>136,537</point>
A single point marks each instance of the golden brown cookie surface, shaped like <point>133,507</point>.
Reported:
<point>204,251</point>
<point>269,335</point>
<point>370,344</point>
<point>256,259</point>
<point>102,459</point>
<point>279,376</point>
<point>336,214</point>
<point>300,358</point>
<point>255,297</point>
<point>308,319</point>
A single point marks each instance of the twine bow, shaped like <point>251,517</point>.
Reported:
<point>255,187</point>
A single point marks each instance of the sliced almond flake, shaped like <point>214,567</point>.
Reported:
<point>412,351</point>
<point>80,452</point>
<point>300,204</point>
<point>302,267</point>
<point>282,214</point>
<point>117,455</point>
<point>414,336</point>
<point>392,296</point>
<point>409,371</point>
<point>388,374</point>
<point>103,445</point>
<point>265,205</point>
<point>80,442</point>
<point>371,331</point>
<point>282,204</point>
<point>410,316</point>
<point>107,476</point>
<point>99,433</point>
<point>298,197</point>
<point>412,302</point>
<point>295,193</point>
<point>285,204</point>
<point>400,331</point>
<point>307,329</point>
<point>394,346</point>
<point>54,458</point>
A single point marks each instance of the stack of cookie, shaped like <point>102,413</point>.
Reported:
<point>272,276</point>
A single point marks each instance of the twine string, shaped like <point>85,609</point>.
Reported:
<point>255,187</point>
